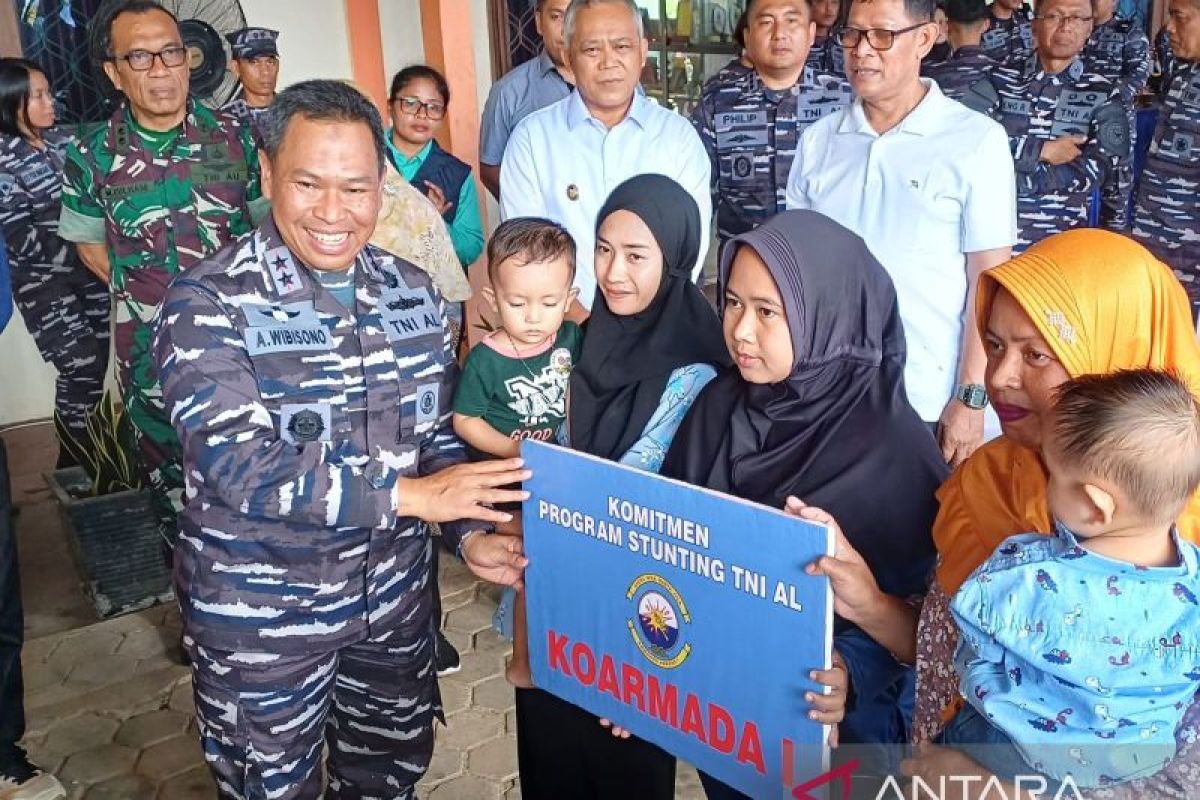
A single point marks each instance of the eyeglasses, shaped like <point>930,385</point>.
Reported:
<point>143,60</point>
<point>411,105</point>
<point>1062,20</point>
<point>878,38</point>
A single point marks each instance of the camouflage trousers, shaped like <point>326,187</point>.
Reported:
<point>158,445</point>
<point>67,313</point>
<point>1116,188</point>
<point>264,719</point>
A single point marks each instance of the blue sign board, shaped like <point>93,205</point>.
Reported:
<point>679,613</point>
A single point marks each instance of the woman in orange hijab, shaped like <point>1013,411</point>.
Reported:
<point>1082,302</point>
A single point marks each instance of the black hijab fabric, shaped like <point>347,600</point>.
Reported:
<point>839,432</point>
<point>626,361</point>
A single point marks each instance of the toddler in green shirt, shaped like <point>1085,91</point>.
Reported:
<point>514,383</point>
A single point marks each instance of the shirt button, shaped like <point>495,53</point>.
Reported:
<point>378,482</point>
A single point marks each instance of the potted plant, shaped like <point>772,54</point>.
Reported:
<point>114,530</point>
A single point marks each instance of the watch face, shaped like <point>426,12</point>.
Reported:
<point>973,396</point>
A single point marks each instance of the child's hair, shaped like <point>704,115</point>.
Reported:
<point>530,240</point>
<point>1139,429</point>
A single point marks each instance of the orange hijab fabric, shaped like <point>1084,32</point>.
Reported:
<point>1102,303</point>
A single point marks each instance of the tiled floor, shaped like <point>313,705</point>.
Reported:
<point>111,713</point>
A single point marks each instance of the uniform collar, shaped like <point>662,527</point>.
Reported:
<point>755,82</point>
<point>1068,545</point>
<point>966,51</point>
<point>400,160</point>
<point>577,110</point>
<point>1073,72</point>
<point>921,121</point>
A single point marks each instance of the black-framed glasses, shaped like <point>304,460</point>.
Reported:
<point>1063,20</point>
<point>143,60</point>
<point>411,105</point>
<point>878,38</point>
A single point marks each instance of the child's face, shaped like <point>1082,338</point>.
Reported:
<point>417,111</point>
<point>531,299</point>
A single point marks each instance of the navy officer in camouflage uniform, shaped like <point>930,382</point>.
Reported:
<point>750,124</point>
<point>255,62</point>
<point>966,23</point>
<point>309,376</point>
<point>1166,216</point>
<point>1067,127</point>
<point>1009,35</point>
<point>1119,50</point>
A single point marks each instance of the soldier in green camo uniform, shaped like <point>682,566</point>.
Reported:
<point>159,188</point>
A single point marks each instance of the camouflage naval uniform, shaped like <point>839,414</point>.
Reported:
<point>1034,108</point>
<point>246,114</point>
<point>1120,51</point>
<point>161,202</point>
<point>1010,39</point>
<point>305,599</point>
<point>958,73</point>
<point>827,56</point>
<point>65,307</point>
<point>751,133</point>
<point>1166,217</point>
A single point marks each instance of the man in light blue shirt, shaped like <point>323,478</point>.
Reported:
<point>526,88</point>
<point>563,161</point>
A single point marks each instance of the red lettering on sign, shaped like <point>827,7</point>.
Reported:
<point>692,722</point>
<point>631,681</point>
<point>608,678</point>
<point>664,705</point>
<point>558,653</point>
<point>720,729</point>
<point>581,654</point>
<point>750,750</point>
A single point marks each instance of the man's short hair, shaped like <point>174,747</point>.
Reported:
<point>1138,429</point>
<point>917,10</point>
<point>966,12</point>
<point>529,240</point>
<point>322,100</point>
<point>130,7</point>
<point>578,5</point>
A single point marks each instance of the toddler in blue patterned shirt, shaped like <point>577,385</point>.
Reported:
<point>1078,651</point>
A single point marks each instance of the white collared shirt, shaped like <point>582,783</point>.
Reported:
<point>562,163</point>
<point>922,195</point>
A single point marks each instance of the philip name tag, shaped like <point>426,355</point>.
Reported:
<point>408,313</point>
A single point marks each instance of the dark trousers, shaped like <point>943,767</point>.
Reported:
<point>12,623</point>
<point>563,752</point>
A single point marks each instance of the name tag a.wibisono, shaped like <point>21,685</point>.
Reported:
<point>287,339</point>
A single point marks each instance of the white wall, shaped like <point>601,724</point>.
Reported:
<point>400,32</point>
<point>27,388</point>
<point>313,41</point>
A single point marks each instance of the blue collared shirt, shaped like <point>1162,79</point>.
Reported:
<point>1084,662</point>
<point>562,163</point>
<point>526,88</point>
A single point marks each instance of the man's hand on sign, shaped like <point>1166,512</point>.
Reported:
<point>496,558</point>
<point>464,491</point>
<point>855,591</point>
<point>830,708</point>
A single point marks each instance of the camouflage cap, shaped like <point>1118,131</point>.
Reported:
<point>253,42</point>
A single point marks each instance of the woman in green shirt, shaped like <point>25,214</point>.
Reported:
<point>418,103</point>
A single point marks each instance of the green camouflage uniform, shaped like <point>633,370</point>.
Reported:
<point>162,202</point>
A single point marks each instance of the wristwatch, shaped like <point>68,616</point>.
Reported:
<point>971,395</point>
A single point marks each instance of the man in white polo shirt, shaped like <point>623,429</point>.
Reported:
<point>562,161</point>
<point>929,186</point>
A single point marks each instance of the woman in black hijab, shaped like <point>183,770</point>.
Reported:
<point>816,409</point>
<point>650,346</point>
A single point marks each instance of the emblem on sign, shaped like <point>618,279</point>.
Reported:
<point>658,623</point>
